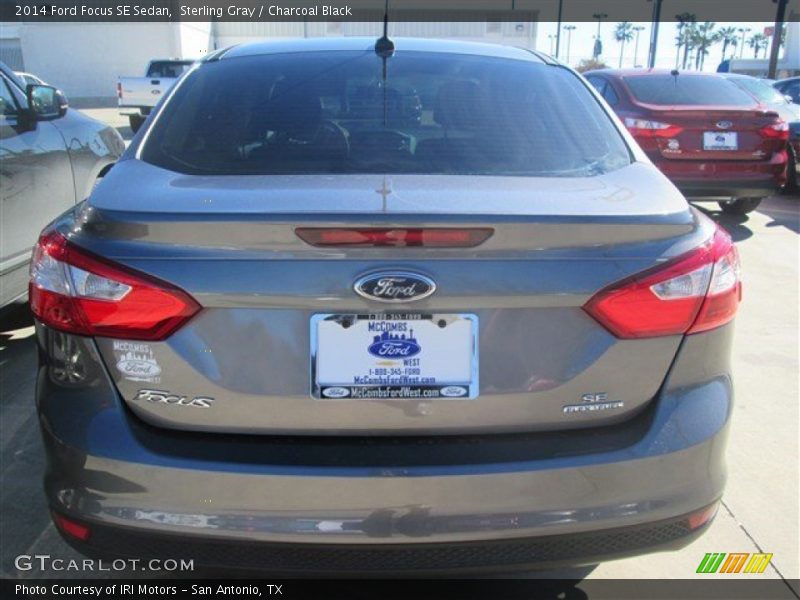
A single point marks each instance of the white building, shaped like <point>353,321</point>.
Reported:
<point>85,59</point>
<point>788,60</point>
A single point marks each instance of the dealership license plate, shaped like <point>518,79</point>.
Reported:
<point>715,140</point>
<point>394,356</point>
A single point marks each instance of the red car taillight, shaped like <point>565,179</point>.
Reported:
<point>778,130</point>
<point>645,128</point>
<point>71,528</point>
<point>77,292</point>
<point>695,292</point>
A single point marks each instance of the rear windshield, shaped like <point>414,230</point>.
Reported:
<point>687,90</point>
<point>167,68</point>
<point>335,112</point>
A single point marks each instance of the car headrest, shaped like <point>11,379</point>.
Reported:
<point>462,104</point>
<point>293,110</point>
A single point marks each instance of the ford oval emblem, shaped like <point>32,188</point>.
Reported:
<point>724,124</point>
<point>336,392</point>
<point>394,348</point>
<point>396,286</point>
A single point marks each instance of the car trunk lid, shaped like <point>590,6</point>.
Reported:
<point>715,133</point>
<point>247,362</point>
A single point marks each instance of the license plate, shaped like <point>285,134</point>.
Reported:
<point>394,356</point>
<point>715,140</point>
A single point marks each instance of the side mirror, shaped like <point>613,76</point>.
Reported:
<point>788,98</point>
<point>45,102</point>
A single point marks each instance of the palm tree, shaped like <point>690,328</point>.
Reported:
<point>689,43</point>
<point>729,39</point>
<point>704,37</point>
<point>757,41</point>
<point>682,40</point>
<point>622,34</point>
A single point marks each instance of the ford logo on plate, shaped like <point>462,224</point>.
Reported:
<point>395,287</point>
<point>336,392</point>
<point>394,348</point>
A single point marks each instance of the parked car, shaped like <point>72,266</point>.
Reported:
<point>28,78</point>
<point>770,97</point>
<point>477,330</point>
<point>41,173</point>
<point>789,87</point>
<point>711,138</point>
<point>136,96</point>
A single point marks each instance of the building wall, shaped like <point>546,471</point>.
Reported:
<point>516,34</point>
<point>84,59</point>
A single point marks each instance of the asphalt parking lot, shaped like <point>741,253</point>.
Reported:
<point>761,506</point>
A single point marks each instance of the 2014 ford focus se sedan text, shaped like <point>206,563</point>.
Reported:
<point>346,306</point>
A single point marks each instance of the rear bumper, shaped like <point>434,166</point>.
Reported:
<point>712,190</point>
<point>726,179</point>
<point>134,111</point>
<point>439,558</point>
<point>405,504</point>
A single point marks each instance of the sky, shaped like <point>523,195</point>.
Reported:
<point>582,43</point>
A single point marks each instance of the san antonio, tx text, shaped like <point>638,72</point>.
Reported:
<point>129,589</point>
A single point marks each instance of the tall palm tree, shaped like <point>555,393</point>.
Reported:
<point>757,42</point>
<point>623,33</point>
<point>682,40</point>
<point>689,43</point>
<point>729,39</point>
<point>704,37</point>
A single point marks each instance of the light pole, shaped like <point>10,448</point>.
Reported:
<point>743,31</point>
<point>569,29</point>
<point>776,39</point>
<point>651,55</point>
<point>552,39</point>
<point>638,29</point>
<point>558,27</point>
<point>598,45</point>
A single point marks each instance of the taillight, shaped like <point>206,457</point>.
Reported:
<point>71,528</point>
<point>77,292</point>
<point>651,129</point>
<point>778,130</point>
<point>695,292</point>
<point>428,237</point>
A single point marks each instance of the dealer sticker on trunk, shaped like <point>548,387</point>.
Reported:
<point>394,356</point>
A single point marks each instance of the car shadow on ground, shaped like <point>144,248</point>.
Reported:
<point>784,210</point>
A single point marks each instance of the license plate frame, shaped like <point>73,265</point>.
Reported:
<point>323,389</point>
<point>724,141</point>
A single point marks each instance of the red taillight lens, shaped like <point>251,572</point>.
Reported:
<point>77,292</point>
<point>71,528</point>
<point>645,128</point>
<point>778,130</point>
<point>696,292</point>
<point>430,238</point>
<point>701,517</point>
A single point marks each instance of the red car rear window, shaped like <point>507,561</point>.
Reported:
<point>697,90</point>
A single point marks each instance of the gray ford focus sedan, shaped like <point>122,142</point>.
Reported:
<point>411,306</point>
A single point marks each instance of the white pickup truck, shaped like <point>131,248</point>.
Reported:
<point>137,96</point>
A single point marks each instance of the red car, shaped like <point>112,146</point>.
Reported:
<point>711,138</point>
